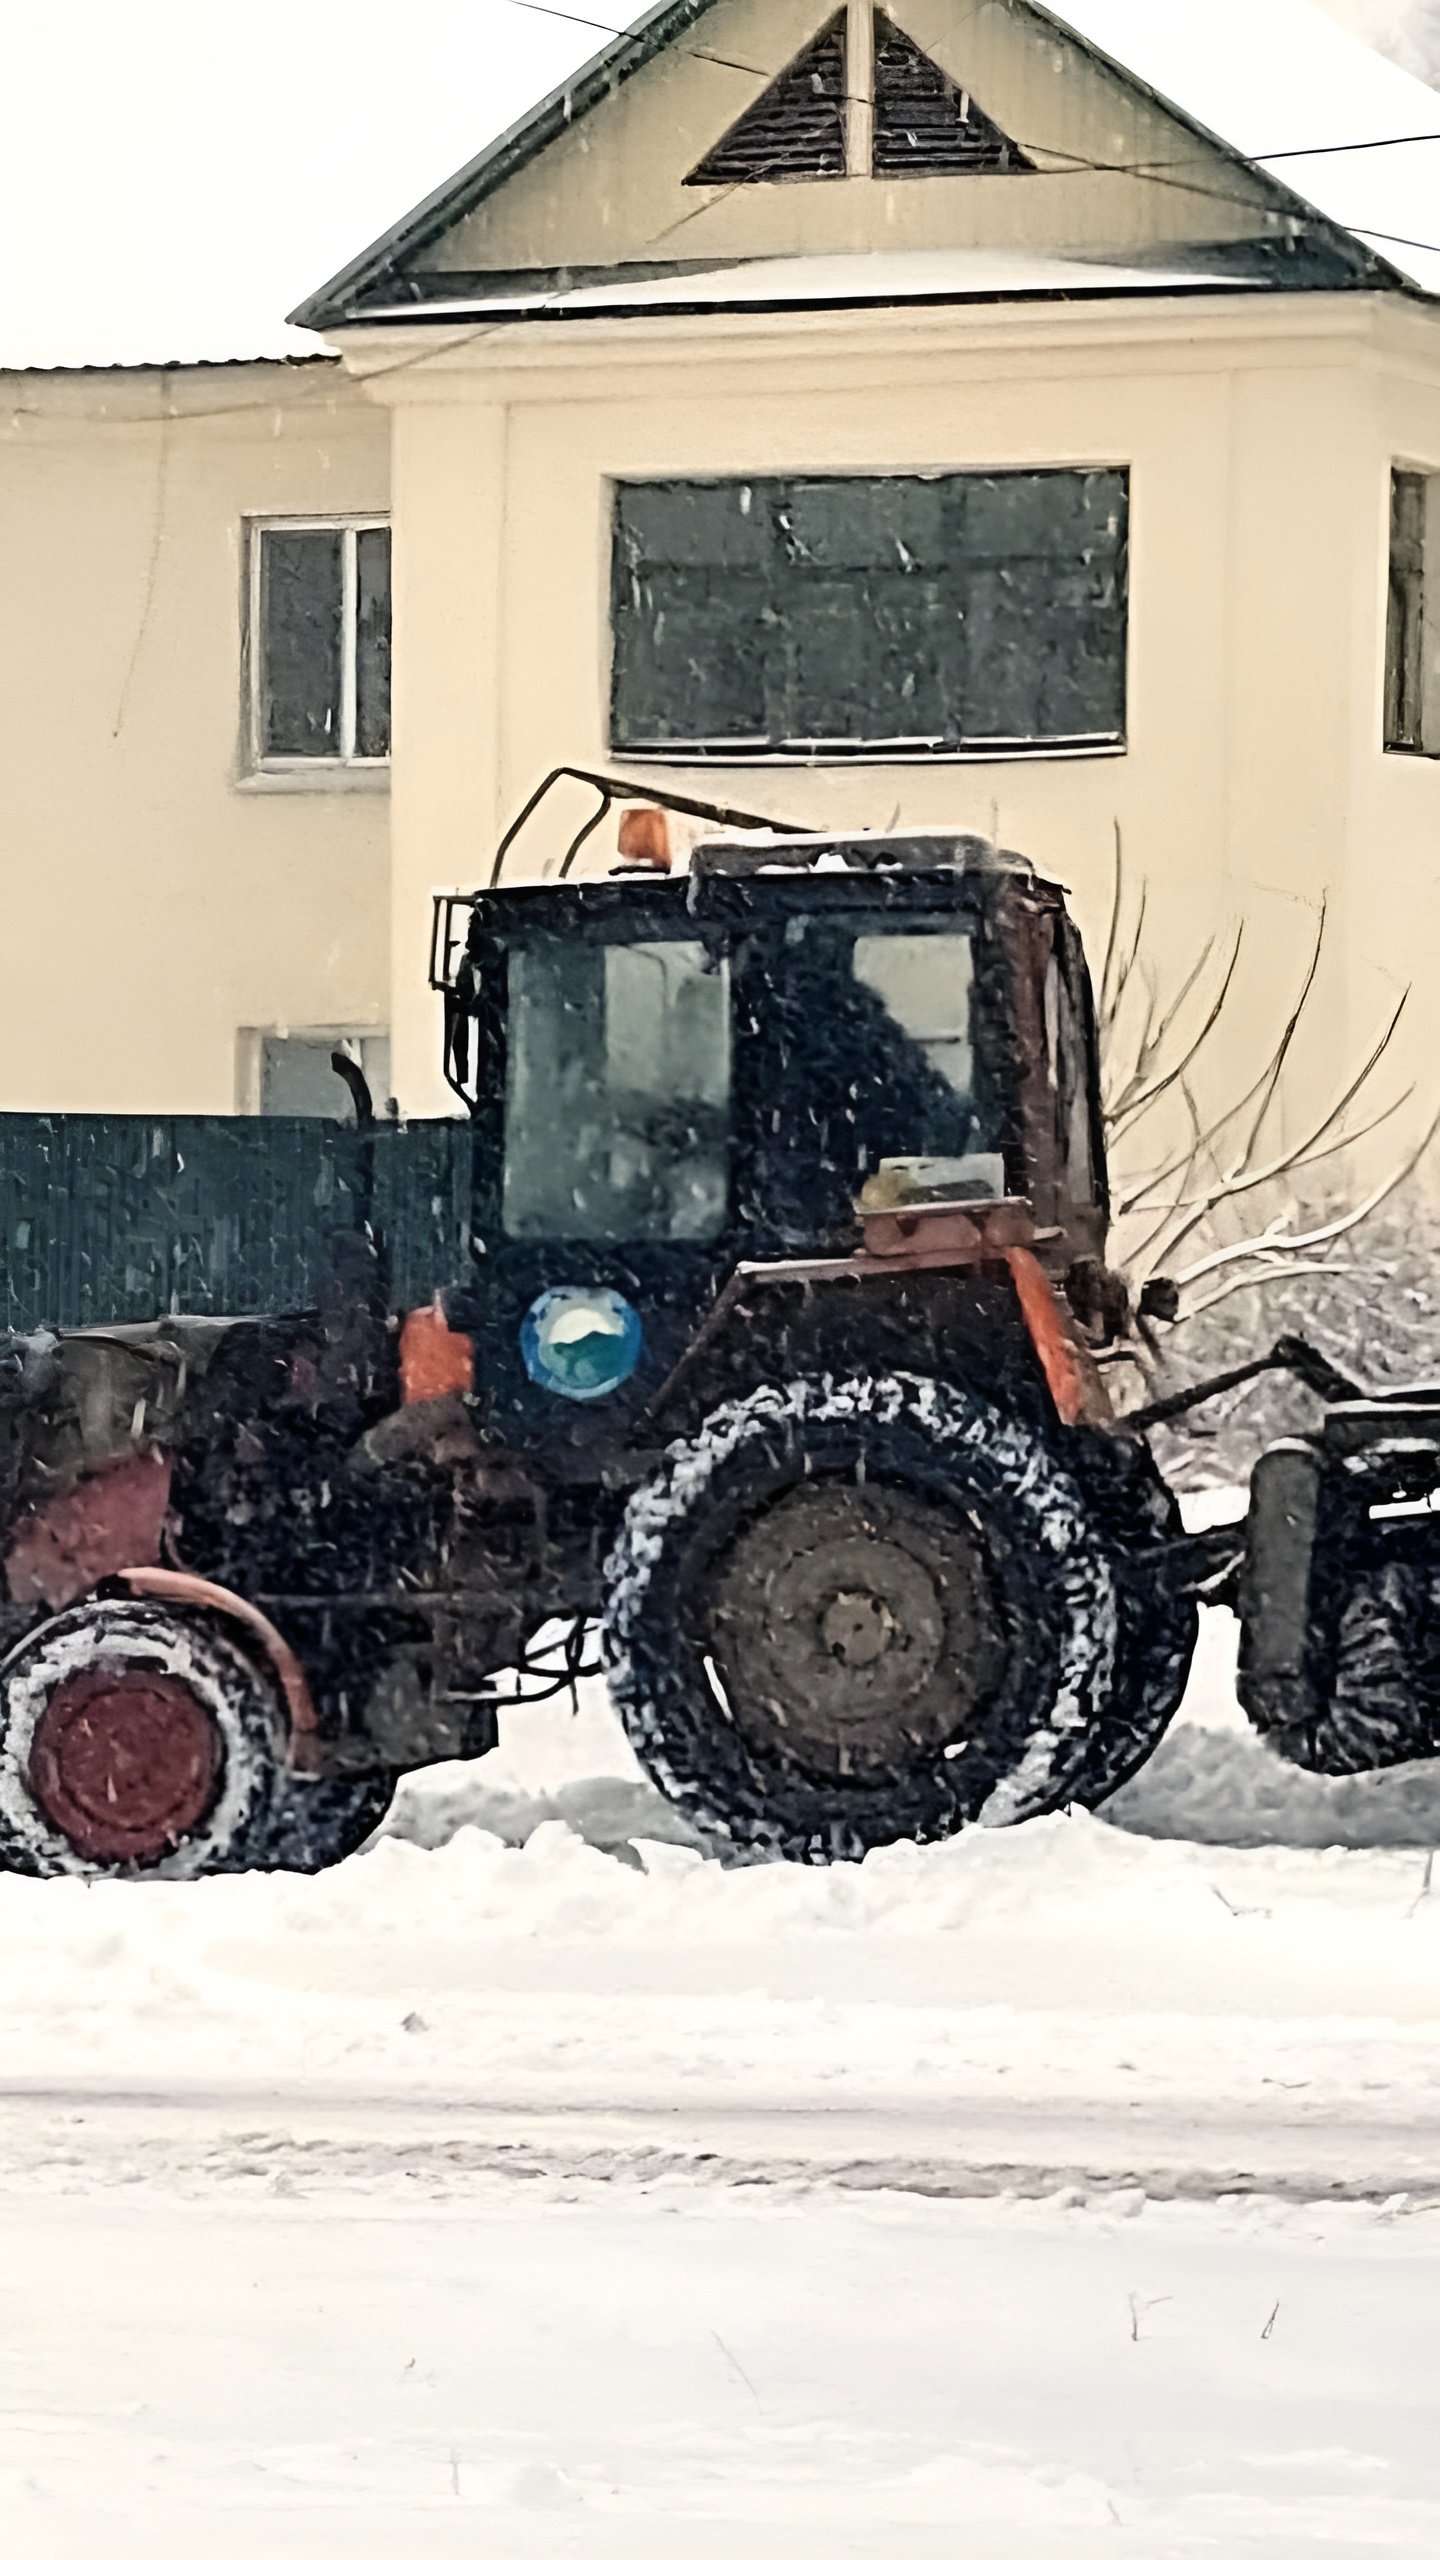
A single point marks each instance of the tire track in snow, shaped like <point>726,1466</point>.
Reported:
<point>64,2137</point>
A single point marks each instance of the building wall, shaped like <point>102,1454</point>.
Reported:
<point>157,902</point>
<point>1259,438</point>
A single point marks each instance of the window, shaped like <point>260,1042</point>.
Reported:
<point>319,644</point>
<point>1072,1073</point>
<point>298,1082</point>
<point>887,617</point>
<point>925,985</point>
<point>1407,729</point>
<point>617,1105</point>
<point>877,1028</point>
<point>861,99</point>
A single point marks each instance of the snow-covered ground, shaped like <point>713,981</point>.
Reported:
<point>452,2370</point>
<point>535,2183</point>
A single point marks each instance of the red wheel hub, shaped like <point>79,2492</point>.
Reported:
<point>125,1762</point>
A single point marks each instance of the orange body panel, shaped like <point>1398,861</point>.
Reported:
<point>1070,1370</point>
<point>434,1361</point>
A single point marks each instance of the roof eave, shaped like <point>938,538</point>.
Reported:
<point>608,70</point>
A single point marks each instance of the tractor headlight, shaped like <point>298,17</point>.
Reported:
<point>581,1343</point>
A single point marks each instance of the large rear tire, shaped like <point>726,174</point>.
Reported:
<point>853,1612</point>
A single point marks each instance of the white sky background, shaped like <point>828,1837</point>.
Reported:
<point>175,175</point>
<point>1409,30</point>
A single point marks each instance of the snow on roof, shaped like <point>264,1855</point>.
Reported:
<point>833,283</point>
<point>1275,78</point>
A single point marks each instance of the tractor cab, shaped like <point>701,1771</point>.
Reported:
<point>675,1075</point>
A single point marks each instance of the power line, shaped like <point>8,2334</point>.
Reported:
<point>1149,169</point>
<point>1326,150</point>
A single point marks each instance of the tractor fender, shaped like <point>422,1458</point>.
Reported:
<point>817,1314</point>
<point>191,1591</point>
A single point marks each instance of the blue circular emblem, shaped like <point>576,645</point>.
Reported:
<point>582,1343</point>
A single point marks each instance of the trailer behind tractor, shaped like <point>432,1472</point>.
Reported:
<point>778,1357</point>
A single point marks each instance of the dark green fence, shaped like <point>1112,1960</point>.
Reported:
<point>106,1221</point>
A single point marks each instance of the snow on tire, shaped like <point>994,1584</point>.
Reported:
<point>819,1578</point>
<point>135,1741</point>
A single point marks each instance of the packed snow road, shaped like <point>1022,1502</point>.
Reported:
<point>656,2377</point>
<point>535,2181</point>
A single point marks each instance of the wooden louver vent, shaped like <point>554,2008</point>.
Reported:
<point>796,130</point>
<point>925,123</point>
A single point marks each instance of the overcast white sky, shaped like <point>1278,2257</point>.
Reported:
<point>176,174</point>
<point>1408,29</point>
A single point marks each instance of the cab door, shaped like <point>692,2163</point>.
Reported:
<point>605,1220</point>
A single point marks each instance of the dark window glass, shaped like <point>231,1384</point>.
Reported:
<point>1405,633</point>
<point>905,615</point>
<point>321,643</point>
<point>877,1030</point>
<point>617,1108</point>
<point>302,584</point>
<point>372,641</point>
<point>299,1082</point>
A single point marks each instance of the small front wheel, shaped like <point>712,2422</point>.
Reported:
<point>136,1741</point>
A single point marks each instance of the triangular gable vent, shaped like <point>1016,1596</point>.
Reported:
<point>796,130</point>
<point>925,122</point>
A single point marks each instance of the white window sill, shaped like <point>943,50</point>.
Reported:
<point>807,759</point>
<point>322,775</point>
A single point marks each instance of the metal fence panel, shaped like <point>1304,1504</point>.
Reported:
<point>112,1220</point>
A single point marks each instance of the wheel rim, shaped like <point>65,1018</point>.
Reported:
<point>125,1762</point>
<point>853,1630</point>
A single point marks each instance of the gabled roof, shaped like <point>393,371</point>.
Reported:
<point>1274,85</point>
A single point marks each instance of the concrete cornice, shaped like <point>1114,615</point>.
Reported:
<point>499,360</point>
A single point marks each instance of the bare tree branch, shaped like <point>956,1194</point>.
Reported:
<point>1133,1105</point>
<point>1125,969</point>
<point>1112,938</point>
<point>1287,1037</point>
<point>1263,1280</point>
<point>1277,1239</point>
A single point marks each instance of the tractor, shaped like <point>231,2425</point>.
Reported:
<point>777,1365</point>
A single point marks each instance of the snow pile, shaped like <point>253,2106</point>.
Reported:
<point>538,2184</point>
<point>1063,1998</point>
<point>1211,1781</point>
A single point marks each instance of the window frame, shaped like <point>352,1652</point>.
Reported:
<point>666,933</point>
<point>313,772</point>
<point>819,752</point>
<point>1408,719</point>
<point>250,1043</point>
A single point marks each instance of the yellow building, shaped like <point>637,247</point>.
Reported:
<point>921,414</point>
